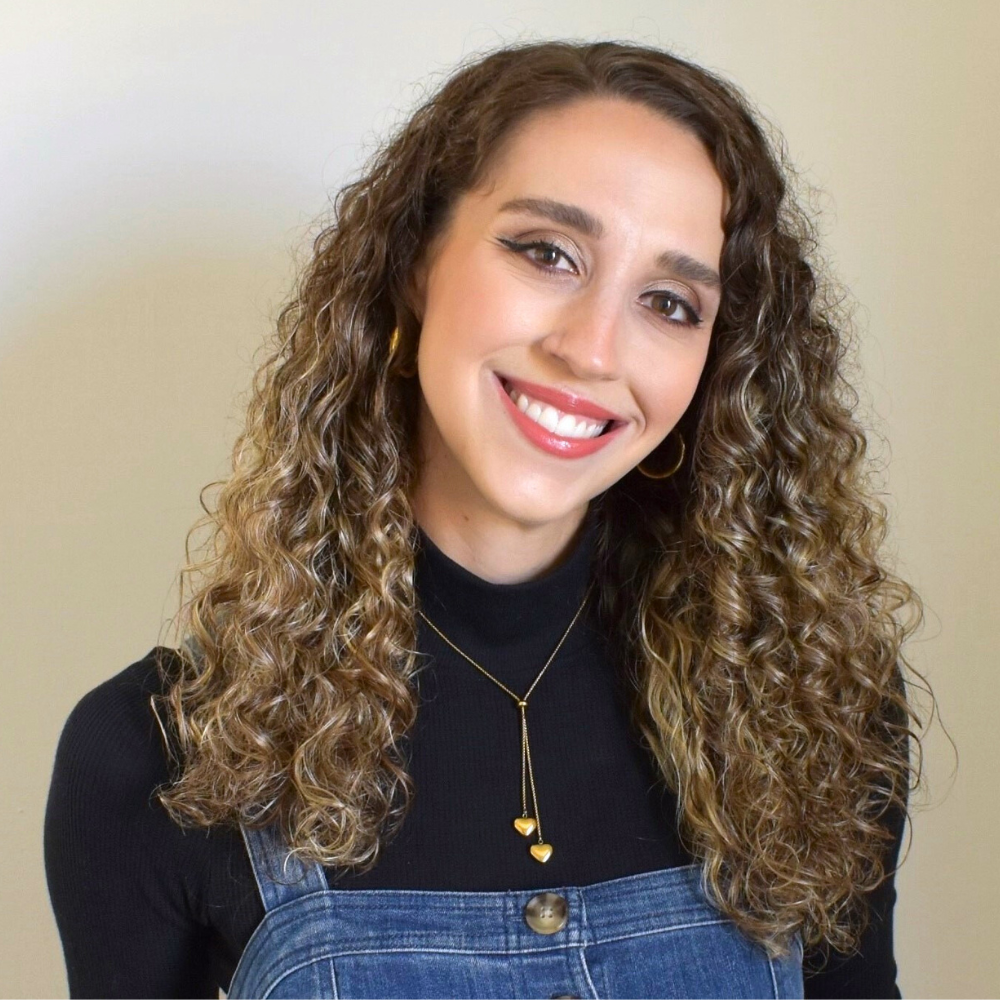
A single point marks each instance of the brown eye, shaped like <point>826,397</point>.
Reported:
<point>547,250</point>
<point>542,248</point>
<point>674,309</point>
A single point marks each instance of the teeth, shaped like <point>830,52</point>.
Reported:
<point>555,421</point>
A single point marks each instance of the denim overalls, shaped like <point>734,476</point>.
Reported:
<point>646,935</point>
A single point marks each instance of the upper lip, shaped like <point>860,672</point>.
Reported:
<point>562,399</point>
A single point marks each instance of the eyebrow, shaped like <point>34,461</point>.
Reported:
<point>580,219</point>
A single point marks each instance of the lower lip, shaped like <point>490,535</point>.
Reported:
<point>553,443</point>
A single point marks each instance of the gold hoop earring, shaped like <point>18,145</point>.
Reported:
<point>394,342</point>
<point>676,466</point>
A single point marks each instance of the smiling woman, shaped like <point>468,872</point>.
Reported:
<point>560,341</point>
<point>614,308</point>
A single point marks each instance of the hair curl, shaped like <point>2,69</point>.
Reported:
<point>759,629</point>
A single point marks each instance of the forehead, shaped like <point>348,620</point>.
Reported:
<point>604,122</point>
<point>617,158</point>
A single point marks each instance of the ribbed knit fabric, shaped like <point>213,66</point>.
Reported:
<point>145,908</point>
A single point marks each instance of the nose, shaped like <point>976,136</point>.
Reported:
<point>587,338</point>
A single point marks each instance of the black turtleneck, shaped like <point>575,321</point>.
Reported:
<point>145,908</point>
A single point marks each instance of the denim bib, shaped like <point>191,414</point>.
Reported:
<point>647,935</point>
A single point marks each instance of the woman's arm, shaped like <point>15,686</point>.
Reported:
<point>118,874</point>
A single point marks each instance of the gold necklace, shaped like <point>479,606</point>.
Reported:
<point>524,824</point>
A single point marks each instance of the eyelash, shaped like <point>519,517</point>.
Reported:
<point>520,248</point>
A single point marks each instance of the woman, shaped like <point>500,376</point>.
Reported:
<point>556,448</point>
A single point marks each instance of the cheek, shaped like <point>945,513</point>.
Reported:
<point>669,392</point>
<point>468,304</point>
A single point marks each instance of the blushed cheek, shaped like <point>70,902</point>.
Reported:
<point>494,313</point>
<point>468,302</point>
<point>671,397</point>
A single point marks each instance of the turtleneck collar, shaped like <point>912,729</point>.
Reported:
<point>506,623</point>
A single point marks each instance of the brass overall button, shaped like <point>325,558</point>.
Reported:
<point>546,913</point>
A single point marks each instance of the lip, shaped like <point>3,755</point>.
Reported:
<point>553,443</point>
<point>568,402</point>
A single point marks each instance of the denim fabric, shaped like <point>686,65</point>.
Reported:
<point>646,935</point>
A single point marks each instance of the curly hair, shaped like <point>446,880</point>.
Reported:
<point>759,627</point>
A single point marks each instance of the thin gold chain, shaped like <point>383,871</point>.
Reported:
<point>527,771</point>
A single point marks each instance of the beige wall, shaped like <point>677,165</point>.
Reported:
<point>160,162</point>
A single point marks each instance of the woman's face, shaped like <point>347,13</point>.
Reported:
<point>613,306</point>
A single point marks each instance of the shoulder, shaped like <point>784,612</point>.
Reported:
<point>132,891</point>
<point>102,814</point>
<point>112,737</point>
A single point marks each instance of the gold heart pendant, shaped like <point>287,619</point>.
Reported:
<point>524,825</point>
<point>541,852</point>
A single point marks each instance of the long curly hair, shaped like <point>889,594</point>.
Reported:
<point>759,627</point>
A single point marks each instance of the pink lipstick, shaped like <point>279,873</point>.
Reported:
<point>552,443</point>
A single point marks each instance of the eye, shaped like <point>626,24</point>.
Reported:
<point>544,248</point>
<point>676,309</point>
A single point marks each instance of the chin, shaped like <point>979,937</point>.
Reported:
<point>534,512</point>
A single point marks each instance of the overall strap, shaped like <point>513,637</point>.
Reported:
<point>281,876</point>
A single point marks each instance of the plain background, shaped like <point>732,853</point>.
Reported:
<point>161,167</point>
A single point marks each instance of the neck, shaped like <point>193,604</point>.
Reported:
<point>498,550</point>
<point>502,625</point>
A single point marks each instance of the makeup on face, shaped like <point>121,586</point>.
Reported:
<point>558,432</point>
<point>566,316</point>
